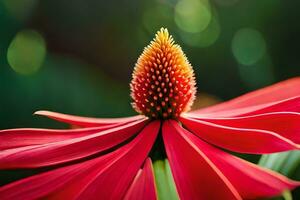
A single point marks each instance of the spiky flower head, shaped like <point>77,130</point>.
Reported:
<point>163,84</point>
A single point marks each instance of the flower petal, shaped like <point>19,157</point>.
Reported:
<point>67,150</point>
<point>143,186</point>
<point>86,121</point>
<point>41,185</point>
<point>82,180</point>
<point>13,138</point>
<point>112,180</point>
<point>287,105</point>
<point>241,140</point>
<point>280,92</point>
<point>196,177</point>
<point>250,180</point>
<point>286,124</point>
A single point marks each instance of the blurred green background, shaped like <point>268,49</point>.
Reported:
<point>77,56</point>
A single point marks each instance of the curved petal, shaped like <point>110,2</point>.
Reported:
<point>67,150</point>
<point>13,138</point>
<point>286,124</point>
<point>196,177</point>
<point>250,180</point>
<point>70,182</point>
<point>86,121</point>
<point>41,185</point>
<point>242,140</point>
<point>288,105</point>
<point>274,93</point>
<point>143,185</point>
<point>112,180</point>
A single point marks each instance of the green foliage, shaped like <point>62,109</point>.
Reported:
<point>285,163</point>
<point>164,181</point>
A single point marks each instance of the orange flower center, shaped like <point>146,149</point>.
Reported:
<point>163,84</point>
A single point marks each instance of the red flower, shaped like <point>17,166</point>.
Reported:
<point>109,158</point>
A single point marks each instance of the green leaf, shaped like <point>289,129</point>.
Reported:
<point>285,163</point>
<point>287,195</point>
<point>165,185</point>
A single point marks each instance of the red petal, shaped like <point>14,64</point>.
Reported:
<point>196,177</point>
<point>287,105</point>
<point>86,121</point>
<point>250,180</point>
<point>286,124</point>
<point>113,178</point>
<point>263,97</point>
<point>67,150</point>
<point>41,185</point>
<point>13,138</point>
<point>83,180</point>
<point>239,139</point>
<point>143,186</point>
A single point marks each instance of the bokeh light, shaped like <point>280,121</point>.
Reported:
<point>26,52</point>
<point>192,15</point>
<point>206,37</point>
<point>248,46</point>
<point>259,74</point>
<point>92,47</point>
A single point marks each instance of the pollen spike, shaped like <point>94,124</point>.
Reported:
<point>169,76</point>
